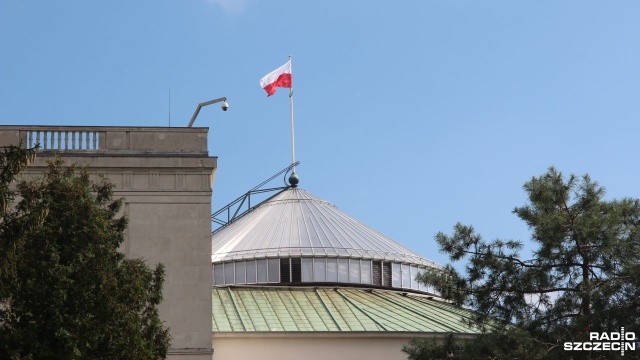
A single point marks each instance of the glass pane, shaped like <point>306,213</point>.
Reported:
<point>262,270</point>
<point>251,272</point>
<point>296,271</point>
<point>218,274</point>
<point>414,273</point>
<point>421,286</point>
<point>228,273</point>
<point>354,271</point>
<point>307,269</point>
<point>332,269</point>
<point>285,270</point>
<point>396,275</point>
<point>240,273</point>
<point>406,276</point>
<point>343,270</point>
<point>320,270</point>
<point>365,271</point>
<point>274,270</point>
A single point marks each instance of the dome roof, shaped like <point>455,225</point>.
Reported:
<point>294,223</point>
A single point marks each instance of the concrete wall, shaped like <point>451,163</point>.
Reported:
<point>165,176</point>
<point>310,346</point>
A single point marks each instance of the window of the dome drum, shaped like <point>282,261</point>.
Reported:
<point>376,273</point>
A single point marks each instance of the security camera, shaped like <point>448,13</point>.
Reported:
<point>225,106</point>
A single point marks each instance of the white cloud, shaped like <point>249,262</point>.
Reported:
<point>231,7</point>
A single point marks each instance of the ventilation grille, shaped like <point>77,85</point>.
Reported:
<point>376,267</point>
<point>386,274</point>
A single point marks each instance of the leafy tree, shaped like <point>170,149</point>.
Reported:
<point>583,277</point>
<point>75,296</point>
<point>12,221</point>
<point>499,344</point>
<point>433,348</point>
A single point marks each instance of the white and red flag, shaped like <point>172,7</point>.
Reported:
<point>280,77</point>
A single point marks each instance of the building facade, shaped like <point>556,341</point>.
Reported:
<point>165,176</point>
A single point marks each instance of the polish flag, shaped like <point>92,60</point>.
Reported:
<point>280,77</point>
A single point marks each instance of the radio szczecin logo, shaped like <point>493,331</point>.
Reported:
<point>612,341</point>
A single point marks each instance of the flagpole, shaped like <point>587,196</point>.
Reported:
<point>293,148</point>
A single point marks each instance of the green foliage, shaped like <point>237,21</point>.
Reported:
<point>433,348</point>
<point>13,221</point>
<point>512,344</point>
<point>583,277</point>
<point>75,296</point>
<point>12,160</point>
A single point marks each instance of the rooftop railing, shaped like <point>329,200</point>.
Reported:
<point>55,139</point>
<point>107,139</point>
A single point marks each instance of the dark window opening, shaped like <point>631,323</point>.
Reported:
<point>376,267</point>
<point>291,270</point>
<point>285,271</point>
<point>386,274</point>
<point>296,270</point>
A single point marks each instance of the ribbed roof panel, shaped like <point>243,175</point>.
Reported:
<point>248,309</point>
<point>296,223</point>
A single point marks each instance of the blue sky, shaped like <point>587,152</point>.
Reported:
<point>410,115</point>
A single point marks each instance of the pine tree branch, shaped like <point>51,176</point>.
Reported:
<point>527,263</point>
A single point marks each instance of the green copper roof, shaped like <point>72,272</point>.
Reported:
<point>246,309</point>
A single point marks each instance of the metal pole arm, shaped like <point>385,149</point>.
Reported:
<point>195,113</point>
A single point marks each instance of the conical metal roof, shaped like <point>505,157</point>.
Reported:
<point>296,223</point>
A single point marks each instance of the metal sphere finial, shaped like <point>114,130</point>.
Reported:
<point>294,179</point>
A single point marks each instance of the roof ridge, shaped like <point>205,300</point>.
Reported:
<point>362,311</point>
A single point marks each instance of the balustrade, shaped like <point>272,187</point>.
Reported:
<point>64,139</point>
